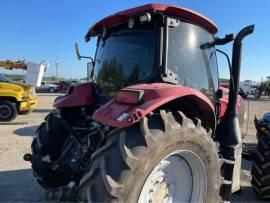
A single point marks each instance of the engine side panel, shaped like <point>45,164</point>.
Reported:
<point>155,95</point>
<point>81,95</point>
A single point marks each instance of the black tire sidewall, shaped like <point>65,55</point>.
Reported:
<point>260,167</point>
<point>48,142</point>
<point>13,109</point>
<point>257,93</point>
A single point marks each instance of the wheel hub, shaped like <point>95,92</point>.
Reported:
<point>160,191</point>
<point>179,177</point>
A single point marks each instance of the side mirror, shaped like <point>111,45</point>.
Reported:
<point>90,68</point>
<point>77,51</point>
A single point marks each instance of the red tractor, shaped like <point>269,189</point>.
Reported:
<point>153,124</point>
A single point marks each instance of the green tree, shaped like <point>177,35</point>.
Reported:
<point>134,75</point>
<point>111,76</point>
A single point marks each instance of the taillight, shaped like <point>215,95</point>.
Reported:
<point>128,96</point>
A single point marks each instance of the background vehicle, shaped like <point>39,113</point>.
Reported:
<point>48,87</point>
<point>263,88</point>
<point>15,97</point>
<point>247,87</point>
<point>147,127</point>
<point>64,85</point>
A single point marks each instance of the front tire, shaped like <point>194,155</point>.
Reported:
<point>257,93</point>
<point>48,142</point>
<point>120,170</point>
<point>52,90</point>
<point>8,111</point>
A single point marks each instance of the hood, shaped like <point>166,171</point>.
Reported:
<point>16,86</point>
<point>24,86</point>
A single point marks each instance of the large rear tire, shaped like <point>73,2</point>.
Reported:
<point>261,168</point>
<point>138,163</point>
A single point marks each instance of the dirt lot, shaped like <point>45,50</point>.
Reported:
<point>17,182</point>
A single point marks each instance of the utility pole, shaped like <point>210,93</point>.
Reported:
<point>56,68</point>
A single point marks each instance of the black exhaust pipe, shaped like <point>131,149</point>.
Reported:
<point>228,130</point>
<point>236,67</point>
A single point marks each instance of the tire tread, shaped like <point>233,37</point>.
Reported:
<point>261,168</point>
<point>128,156</point>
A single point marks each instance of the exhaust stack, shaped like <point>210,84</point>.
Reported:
<point>236,67</point>
<point>228,131</point>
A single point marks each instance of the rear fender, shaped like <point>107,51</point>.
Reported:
<point>79,95</point>
<point>155,95</point>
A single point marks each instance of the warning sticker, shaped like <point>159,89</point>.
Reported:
<point>122,117</point>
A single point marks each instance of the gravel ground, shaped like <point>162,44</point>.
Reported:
<point>16,179</point>
<point>18,184</point>
<point>257,107</point>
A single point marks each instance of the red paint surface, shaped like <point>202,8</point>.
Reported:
<point>155,95</point>
<point>224,101</point>
<point>82,95</point>
<point>122,16</point>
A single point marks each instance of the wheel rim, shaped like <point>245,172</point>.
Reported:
<point>179,177</point>
<point>5,111</point>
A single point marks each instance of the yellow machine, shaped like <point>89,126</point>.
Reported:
<point>15,98</point>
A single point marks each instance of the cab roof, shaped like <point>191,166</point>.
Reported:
<point>122,16</point>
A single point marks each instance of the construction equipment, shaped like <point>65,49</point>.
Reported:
<point>263,89</point>
<point>16,98</point>
<point>152,125</point>
<point>8,64</point>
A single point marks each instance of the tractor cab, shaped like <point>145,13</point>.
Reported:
<point>155,43</point>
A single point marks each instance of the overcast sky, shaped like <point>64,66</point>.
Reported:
<point>38,30</point>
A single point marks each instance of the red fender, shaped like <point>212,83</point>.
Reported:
<point>155,95</point>
<point>79,95</point>
<point>224,101</point>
